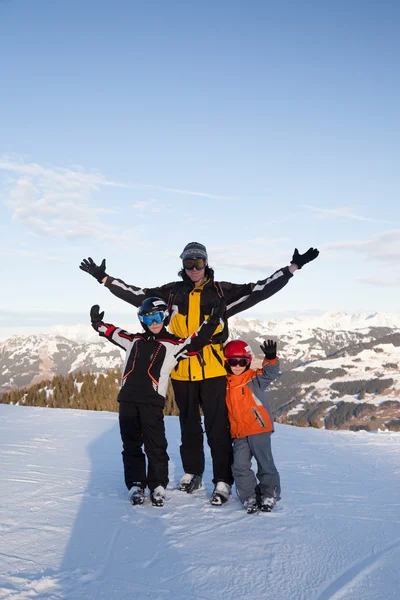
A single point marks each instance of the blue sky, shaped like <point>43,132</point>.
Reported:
<point>128,129</point>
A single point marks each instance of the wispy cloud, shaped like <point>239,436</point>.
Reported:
<point>58,201</point>
<point>253,255</point>
<point>68,178</point>
<point>384,246</point>
<point>342,212</point>
<point>78,178</point>
<point>149,205</point>
<point>140,204</point>
<point>35,256</point>
<point>178,191</point>
<point>381,281</point>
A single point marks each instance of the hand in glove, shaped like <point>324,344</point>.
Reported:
<point>269,349</point>
<point>95,315</point>
<point>218,310</point>
<point>302,259</point>
<point>89,266</point>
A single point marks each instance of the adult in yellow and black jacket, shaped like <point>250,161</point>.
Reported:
<point>200,380</point>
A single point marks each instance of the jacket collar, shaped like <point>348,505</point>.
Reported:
<point>151,336</point>
<point>240,380</point>
<point>190,285</point>
<point>202,286</point>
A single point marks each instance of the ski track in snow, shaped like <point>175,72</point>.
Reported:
<point>67,531</point>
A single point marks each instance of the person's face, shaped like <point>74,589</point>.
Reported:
<point>238,370</point>
<point>195,275</point>
<point>195,268</point>
<point>236,367</point>
<point>155,327</point>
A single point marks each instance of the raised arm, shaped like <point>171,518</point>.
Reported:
<point>270,369</point>
<point>242,297</point>
<point>129,293</point>
<point>114,334</point>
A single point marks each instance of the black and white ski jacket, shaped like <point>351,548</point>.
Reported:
<point>190,305</point>
<point>150,358</point>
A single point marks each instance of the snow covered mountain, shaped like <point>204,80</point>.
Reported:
<point>28,360</point>
<point>303,339</point>
<point>327,361</point>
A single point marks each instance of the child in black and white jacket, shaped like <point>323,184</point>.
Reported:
<point>150,357</point>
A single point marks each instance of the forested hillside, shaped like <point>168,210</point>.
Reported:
<point>86,391</point>
<point>93,391</point>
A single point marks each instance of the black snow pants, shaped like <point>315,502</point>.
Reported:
<point>210,395</point>
<point>140,425</point>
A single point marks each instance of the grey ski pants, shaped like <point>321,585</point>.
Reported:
<point>259,446</point>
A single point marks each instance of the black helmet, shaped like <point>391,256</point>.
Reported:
<point>153,305</point>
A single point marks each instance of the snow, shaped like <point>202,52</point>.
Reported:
<point>328,321</point>
<point>68,532</point>
<point>83,332</point>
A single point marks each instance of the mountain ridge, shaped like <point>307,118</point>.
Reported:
<point>328,362</point>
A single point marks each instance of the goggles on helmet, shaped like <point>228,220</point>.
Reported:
<point>153,317</point>
<point>190,263</point>
<point>238,362</point>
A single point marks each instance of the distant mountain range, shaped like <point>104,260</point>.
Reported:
<point>338,370</point>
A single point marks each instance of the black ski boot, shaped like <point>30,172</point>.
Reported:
<point>157,496</point>
<point>136,494</point>
<point>190,483</point>
<point>221,493</point>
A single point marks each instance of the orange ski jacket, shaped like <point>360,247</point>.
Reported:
<point>249,410</point>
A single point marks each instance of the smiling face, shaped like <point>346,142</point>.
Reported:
<point>238,370</point>
<point>196,276</point>
<point>155,327</point>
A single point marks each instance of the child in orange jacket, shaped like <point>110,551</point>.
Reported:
<point>251,424</point>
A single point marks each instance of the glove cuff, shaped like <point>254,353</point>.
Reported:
<point>293,262</point>
<point>270,361</point>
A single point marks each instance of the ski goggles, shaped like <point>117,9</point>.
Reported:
<point>153,317</point>
<point>238,362</point>
<point>190,263</point>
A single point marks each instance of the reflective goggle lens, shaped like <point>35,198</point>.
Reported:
<point>191,263</point>
<point>154,317</point>
<point>238,362</point>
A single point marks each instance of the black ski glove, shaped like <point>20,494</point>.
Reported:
<point>218,311</point>
<point>95,315</point>
<point>302,259</point>
<point>269,349</point>
<point>89,266</point>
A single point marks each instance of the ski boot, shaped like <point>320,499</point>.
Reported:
<point>251,505</point>
<point>221,493</point>
<point>157,496</point>
<point>267,503</point>
<point>136,494</point>
<point>190,483</point>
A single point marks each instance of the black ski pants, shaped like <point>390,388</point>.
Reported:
<point>210,395</point>
<point>141,425</point>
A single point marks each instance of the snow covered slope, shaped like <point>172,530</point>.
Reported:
<point>67,531</point>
